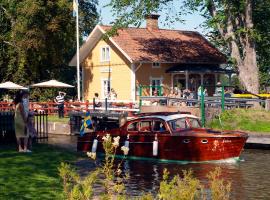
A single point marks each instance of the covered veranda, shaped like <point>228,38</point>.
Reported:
<point>191,76</point>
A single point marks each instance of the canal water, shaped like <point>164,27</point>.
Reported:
<point>250,177</point>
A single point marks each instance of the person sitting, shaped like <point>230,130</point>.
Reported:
<point>205,92</point>
<point>112,95</point>
<point>161,127</point>
<point>218,90</point>
<point>158,126</point>
<point>186,93</point>
<point>97,102</point>
<point>171,95</point>
<point>227,93</point>
<point>237,90</point>
<point>155,102</point>
<point>177,93</point>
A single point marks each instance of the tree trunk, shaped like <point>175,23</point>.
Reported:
<point>249,72</point>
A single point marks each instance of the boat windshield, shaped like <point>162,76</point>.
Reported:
<point>184,123</point>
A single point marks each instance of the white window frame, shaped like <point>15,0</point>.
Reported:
<point>103,95</point>
<point>106,57</point>
<point>155,79</point>
<point>156,65</point>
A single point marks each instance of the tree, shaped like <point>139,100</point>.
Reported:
<point>37,38</point>
<point>231,19</point>
<point>262,26</point>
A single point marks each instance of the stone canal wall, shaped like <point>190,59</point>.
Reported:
<point>59,128</point>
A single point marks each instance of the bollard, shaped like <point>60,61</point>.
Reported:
<point>94,104</point>
<point>267,104</point>
<point>202,107</point>
<point>106,104</point>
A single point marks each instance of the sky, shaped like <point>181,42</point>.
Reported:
<point>192,21</point>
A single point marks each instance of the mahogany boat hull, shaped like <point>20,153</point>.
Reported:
<point>198,147</point>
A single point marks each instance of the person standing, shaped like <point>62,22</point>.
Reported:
<point>30,124</point>
<point>60,100</point>
<point>20,121</point>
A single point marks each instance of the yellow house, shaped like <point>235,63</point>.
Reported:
<point>146,56</point>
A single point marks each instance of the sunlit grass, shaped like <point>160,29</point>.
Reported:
<point>243,119</point>
<point>55,118</point>
<point>32,175</point>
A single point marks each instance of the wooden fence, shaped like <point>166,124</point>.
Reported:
<point>52,107</point>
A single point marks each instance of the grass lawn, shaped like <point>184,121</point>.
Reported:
<point>55,118</point>
<point>243,119</point>
<point>32,175</point>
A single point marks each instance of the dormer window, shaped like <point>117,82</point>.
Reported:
<point>105,54</point>
<point>155,65</point>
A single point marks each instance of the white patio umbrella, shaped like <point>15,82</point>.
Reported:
<point>52,84</point>
<point>12,86</point>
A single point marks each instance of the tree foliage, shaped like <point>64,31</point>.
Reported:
<point>37,38</point>
<point>262,26</point>
<point>237,27</point>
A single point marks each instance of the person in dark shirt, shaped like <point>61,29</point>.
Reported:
<point>97,100</point>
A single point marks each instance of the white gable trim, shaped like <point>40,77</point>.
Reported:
<point>116,45</point>
<point>89,44</point>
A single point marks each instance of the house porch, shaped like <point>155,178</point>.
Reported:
<point>191,76</point>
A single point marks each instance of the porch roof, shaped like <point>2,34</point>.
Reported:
<point>199,68</point>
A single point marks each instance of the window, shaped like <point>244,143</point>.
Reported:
<point>132,127</point>
<point>178,124</point>
<point>106,87</point>
<point>194,123</point>
<point>158,126</point>
<point>105,54</point>
<point>155,83</point>
<point>145,126</point>
<point>155,65</point>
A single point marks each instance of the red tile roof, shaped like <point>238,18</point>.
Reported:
<point>173,46</point>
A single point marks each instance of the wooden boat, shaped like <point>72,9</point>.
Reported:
<point>170,137</point>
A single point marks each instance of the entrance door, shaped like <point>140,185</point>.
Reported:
<point>106,88</point>
<point>155,82</point>
<point>179,81</point>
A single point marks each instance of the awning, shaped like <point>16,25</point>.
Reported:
<point>199,68</point>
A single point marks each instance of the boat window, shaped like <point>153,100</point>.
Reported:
<point>133,127</point>
<point>145,126</point>
<point>158,126</point>
<point>178,124</point>
<point>194,123</point>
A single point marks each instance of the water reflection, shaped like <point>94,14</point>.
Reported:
<point>250,178</point>
<point>146,176</point>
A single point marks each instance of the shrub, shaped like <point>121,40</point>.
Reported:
<point>186,188</point>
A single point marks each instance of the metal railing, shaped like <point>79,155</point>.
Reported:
<point>41,125</point>
<point>7,129</point>
<point>203,102</point>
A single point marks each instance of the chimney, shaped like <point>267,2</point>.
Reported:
<point>152,21</point>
